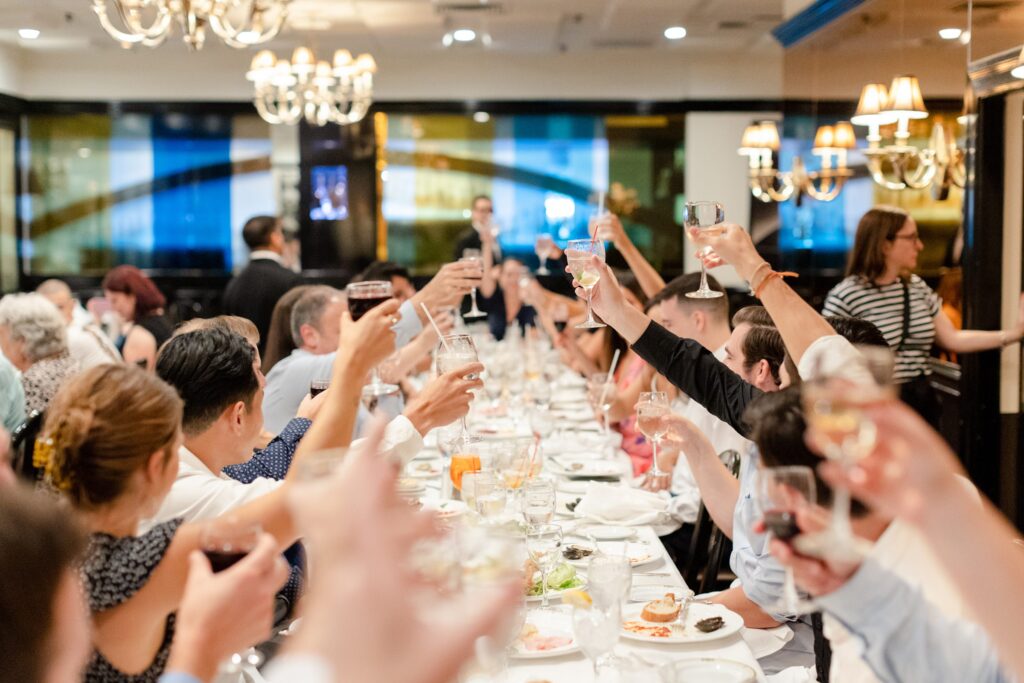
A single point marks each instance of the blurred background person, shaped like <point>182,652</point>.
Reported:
<point>87,343</point>
<point>279,341</point>
<point>140,304</point>
<point>33,336</point>
<point>481,218</point>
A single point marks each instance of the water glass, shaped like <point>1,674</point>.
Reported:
<point>539,502</point>
<point>544,544</point>
<point>578,254</point>
<point>610,578</point>
<point>597,631</point>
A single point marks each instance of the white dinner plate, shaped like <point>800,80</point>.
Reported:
<point>638,552</point>
<point>555,595</point>
<point>586,467</point>
<point>445,509</point>
<point>571,486</point>
<point>600,532</point>
<point>689,633</point>
<point>410,487</point>
<point>555,622</point>
<point>424,469</point>
<point>714,670</point>
<point>645,594</point>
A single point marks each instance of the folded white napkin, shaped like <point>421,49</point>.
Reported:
<point>613,504</point>
<point>794,674</point>
<point>766,641</point>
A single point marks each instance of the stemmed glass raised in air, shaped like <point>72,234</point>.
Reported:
<point>651,419</point>
<point>781,493</point>
<point>706,216</point>
<point>544,544</point>
<point>473,256</point>
<point>456,351</point>
<point>225,541</point>
<point>542,247</point>
<point>578,253</point>
<point>835,398</point>
<point>363,297</point>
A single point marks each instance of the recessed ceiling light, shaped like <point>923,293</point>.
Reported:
<point>481,117</point>
<point>675,33</point>
<point>949,33</point>
<point>28,33</point>
<point>464,35</point>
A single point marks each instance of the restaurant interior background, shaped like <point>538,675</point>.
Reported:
<point>157,156</point>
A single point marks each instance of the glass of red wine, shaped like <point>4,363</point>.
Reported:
<point>318,386</point>
<point>362,297</point>
<point>225,541</point>
<point>781,493</point>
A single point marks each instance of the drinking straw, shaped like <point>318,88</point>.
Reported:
<point>608,382</point>
<point>437,329</point>
<point>600,212</point>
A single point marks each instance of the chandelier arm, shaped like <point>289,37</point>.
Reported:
<point>875,168</point>
<point>223,28</point>
<point>158,30</point>
<point>922,176</point>
<point>787,186</point>
<point>834,185</point>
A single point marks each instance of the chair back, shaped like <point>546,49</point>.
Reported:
<point>23,447</point>
<point>708,545</point>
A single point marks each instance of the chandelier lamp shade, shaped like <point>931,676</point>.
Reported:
<point>239,23</point>
<point>320,92</point>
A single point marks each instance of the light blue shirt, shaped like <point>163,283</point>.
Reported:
<point>760,574</point>
<point>288,381</point>
<point>12,396</point>
<point>178,677</point>
<point>907,639</point>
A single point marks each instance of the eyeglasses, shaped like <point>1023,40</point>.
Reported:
<point>913,237</point>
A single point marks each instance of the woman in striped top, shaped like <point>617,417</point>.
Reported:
<point>881,288</point>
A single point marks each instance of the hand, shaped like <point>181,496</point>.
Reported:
<point>661,482</point>
<point>444,399</point>
<point>366,343</point>
<point>226,612</point>
<point>816,576</point>
<point>605,297</point>
<point>609,227</point>
<point>358,631</point>
<point>681,432</point>
<point>732,245</point>
<point>910,469</point>
<point>452,282</point>
<point>311,405</point>
<point>1019,328</point>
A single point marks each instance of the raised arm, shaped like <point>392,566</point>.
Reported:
<point>610,227</point>
<point>490,281</point>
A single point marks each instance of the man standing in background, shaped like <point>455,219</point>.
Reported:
<point>482,218</point>
<point>253,293</point>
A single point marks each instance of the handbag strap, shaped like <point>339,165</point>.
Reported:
<point>906,317</point>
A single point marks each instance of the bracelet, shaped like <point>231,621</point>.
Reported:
<point>753,276</point>
<point>772,275</point>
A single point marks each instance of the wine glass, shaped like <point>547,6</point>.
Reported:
<point>610,578</point>
<point>456,351</point>
<point>579,253</point>
<point>651,412</point>
<point>473,256</point>
<point>544,543</point>
<point>318,386</point>
<point>538,502</point>
<point>596,630</point>
<point>484,493</point>
<point>225,541</point>
<point>560,316</point>
<point>362,297</point>
<point>834,399</point>
<point>704,215</point>
<point>781,493</point>
<point>542,247</point>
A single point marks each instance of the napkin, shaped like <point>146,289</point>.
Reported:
<point>612,504</point>
<point>766,641</point>
<point>794,674</point>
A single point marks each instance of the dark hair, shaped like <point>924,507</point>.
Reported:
<point>310,308</point>
<point>131,280</point>
<point>753,315</point>
<point>279,337</point>
<point>382,271</point>
<point>257,231</point>
<point>41,542</point>
<point>764,343</point>
<point>677,289</point>
<point>876,227</point>
<point>211,369</point>
<point>857,331</point>
<point>478,198</point>
<point>777,426</point>
<point>102,427</point>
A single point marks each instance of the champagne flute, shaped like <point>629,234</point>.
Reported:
<point>226,541</point>
<point>579,253</point>
<point>705,216</point>
<point>473,256</point>
<point>781,493</point>
<point>363,297</point>
<point>651,419</point>
<point>834,399</point>
<point>560,316</point>
<point>542,247</point>
<point>544,543</point>
<point>454,352</point>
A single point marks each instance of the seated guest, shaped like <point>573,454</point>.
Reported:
<point>279,342</point>
<point>779,431</point>
<point>255,291</point>
<point>110,445</point>
<point>387,271</point>
<point>87,343</point>
<point>12,396</point>
<point>136,299</point>
<point>501,298</point>
<point>33,336</point>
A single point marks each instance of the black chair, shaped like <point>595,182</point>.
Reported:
<point>23,447</point>
<point>709,546</point>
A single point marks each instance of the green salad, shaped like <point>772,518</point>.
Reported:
<point>562,577</point>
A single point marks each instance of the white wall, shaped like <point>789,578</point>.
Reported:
<point>10,71</point>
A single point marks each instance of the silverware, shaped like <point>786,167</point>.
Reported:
<point>681,619</point>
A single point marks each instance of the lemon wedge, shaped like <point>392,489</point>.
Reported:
<point>577,598</point>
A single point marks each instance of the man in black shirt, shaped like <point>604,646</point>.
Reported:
<point>253,293</point>
<point>481,213</point>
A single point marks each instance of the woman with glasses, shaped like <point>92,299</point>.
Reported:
<point>880,287</point>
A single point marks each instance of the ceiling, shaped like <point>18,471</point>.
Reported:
<point>402,27</point>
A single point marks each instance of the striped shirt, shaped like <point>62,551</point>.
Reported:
<point>883,305</point>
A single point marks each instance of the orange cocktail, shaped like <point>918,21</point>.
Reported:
<point>461,463</point>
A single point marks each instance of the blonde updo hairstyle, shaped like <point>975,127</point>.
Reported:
<point>102,427</point>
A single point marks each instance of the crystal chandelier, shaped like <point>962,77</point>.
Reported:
<point>761,142</point>
<point>322,93</point>
<point>239,23</point>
